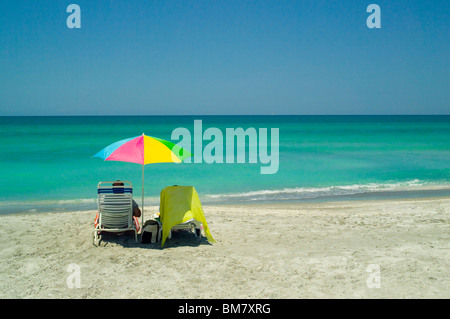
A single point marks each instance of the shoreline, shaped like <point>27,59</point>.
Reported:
<point>331,203</point>
<point>74,205</point>
<point>289,251</point>
<point>266,204</point>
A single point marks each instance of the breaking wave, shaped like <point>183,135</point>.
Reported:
<point>305,193</point>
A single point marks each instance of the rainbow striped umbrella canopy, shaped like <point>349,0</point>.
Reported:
<point>143,150</point>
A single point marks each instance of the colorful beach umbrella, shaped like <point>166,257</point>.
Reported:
<point>144,150</point>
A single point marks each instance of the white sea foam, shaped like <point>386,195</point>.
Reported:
<point>298,193</point>
<point>77,201</point>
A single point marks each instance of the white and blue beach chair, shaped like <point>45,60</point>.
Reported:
<point>115,209</point>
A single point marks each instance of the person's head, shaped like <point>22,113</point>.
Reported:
<point>119,189</point>
<point>118,183</point>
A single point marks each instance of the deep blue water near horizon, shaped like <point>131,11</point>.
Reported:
<point>46,163</point>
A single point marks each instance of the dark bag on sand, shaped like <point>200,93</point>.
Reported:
<point>151,232</point>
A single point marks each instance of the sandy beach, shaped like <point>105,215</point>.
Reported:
<point>357,249</point>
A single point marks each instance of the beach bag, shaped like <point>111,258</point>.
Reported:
<point>151,232</point>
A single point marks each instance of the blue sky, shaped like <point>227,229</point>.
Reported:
<point>224,57</point>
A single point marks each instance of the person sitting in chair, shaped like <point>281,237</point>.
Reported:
<point>136,209</point>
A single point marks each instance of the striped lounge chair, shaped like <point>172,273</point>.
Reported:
<point>115,209</point>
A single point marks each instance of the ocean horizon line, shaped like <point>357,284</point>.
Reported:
<point>221,115</point>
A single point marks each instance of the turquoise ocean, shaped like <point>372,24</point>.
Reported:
<point>46,163</point>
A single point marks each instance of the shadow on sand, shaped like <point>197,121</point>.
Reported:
<point>180,238</point>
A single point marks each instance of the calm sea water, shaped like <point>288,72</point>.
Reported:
<point>46,163</point>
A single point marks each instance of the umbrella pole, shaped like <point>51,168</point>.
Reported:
<point>142,214</point>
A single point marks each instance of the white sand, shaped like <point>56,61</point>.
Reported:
<point>325,250</point>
